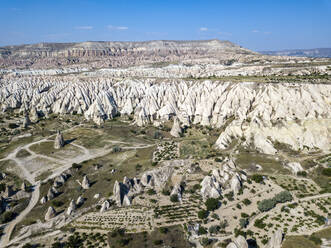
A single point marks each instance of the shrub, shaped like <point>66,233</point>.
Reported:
<point>315,239</point>
<point>205,241</point>
<point>257,178</point>
<point>214,229</point>
<point>12,125</point>
<point>326,172</point>
<point>202,214</point>
<point>158,242</point>
<point>151,192</point>
<point>243,222</point>
<point>174,198</point>
<point>247,202</point>
<point>57,203</point>
<point>116,149</point>
<point>302,174</point>
<point>259,224</point>
<point>266,205</point>
<point>202,230</point>
<point>212,204</point>
<point>8,216</point>
<point>158,135</point>
<point>164,230</point>
<point>283,196</point>
<point>76,166</point>
<point>165,192</point>
<point>229,196</point>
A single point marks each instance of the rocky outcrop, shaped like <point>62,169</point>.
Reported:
<point>105,206</point>
<point>71,208</point>
<point>86,183</point>
<point>275,240</point>
<point>259,114</point>
<point>80,200</point>
<point>295,167</point>
<point>26,121</point>
<point>211,186</point>
<point>51,213</point>
<point>176,130</point>
<point>239,242</point>
<point>24,187</point>
<point>177,190</point>
<point>124,192</point>
<point>59,141</point>
<point>9,192</point>
<point>50,194</point>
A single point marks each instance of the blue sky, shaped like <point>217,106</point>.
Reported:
<point>255,24</point>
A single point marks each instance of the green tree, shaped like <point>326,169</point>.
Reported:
<point>212,204</point>
<point>266,205</point>
<point>202,214</point>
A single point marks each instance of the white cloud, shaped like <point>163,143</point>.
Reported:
<point>203,29</point>
<point>117,27</point>
<point>84,27</point>
<point>267,32</point>
<point>255,31</point>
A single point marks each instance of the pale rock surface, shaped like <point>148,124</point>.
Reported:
<point>26,121</point>
<point>105,206</point>
<point>79,201</point>
<point>239,242</point>
<point>51,213</point>
<point>295,167</point>
<point>71,208</point>
<point>59,141</point>
<point>86,183</point>
<point>275,240</point>
<point>176,130</point>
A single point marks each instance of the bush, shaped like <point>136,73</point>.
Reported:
<point>12,125</point>
<point>212,204</point>
<point>202,230</point>
<point>202,214</point>
<point>205,241</point>
<point>257,178</point>
<point>266,205</point>
<point>326,172</point>
<point>302,174</point>
<point>158,242</point>
<point>164,230</point>
<point>243,222</point>
<point>214,229</point>
<point>315,239</point>
<point>229,196</point>
<point>158,135</point>
<point>165,192</point>
<point>57,203</point>
<point>259,224</point>
<point>76,166</point>
<point>151,192</point>
<point>174,198</point>
<point>283,196</point>
<point>116,149</point>
<point>8,216</point>
<point>247,202</point>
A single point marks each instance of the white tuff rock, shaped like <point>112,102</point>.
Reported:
<point>59,141</point>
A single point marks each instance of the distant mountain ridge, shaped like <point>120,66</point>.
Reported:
<point>114,53</point>
<point>311,53</point>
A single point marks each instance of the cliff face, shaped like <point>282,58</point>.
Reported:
<point>115,53</point>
